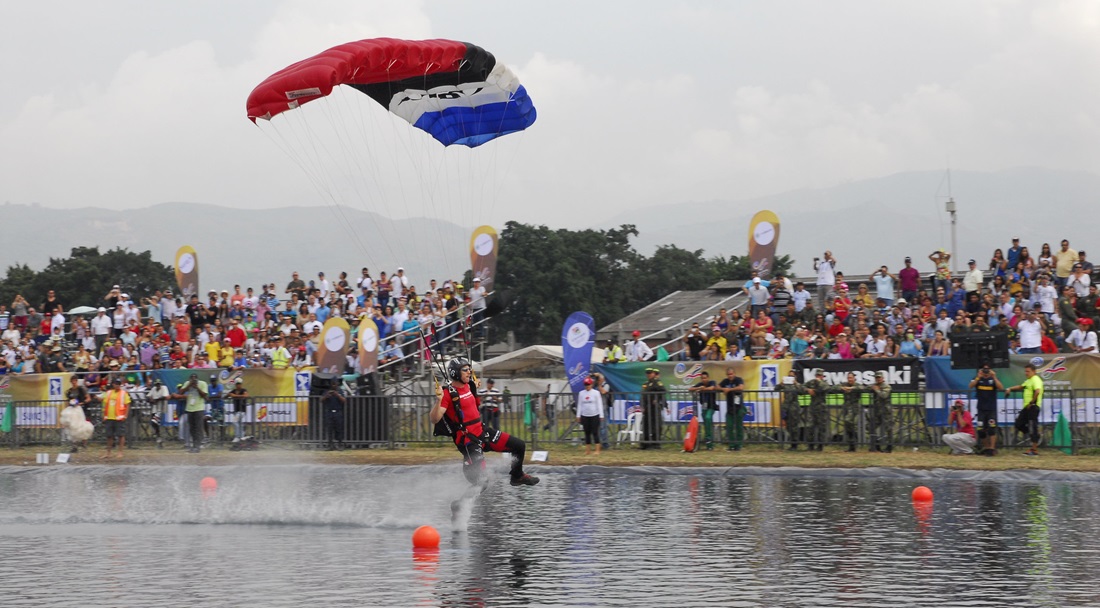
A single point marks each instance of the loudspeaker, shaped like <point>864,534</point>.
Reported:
<point>971,351</point>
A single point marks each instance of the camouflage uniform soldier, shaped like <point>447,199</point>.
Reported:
<point>819,412</point>
<point>882,415</point>
<point>853,409</point>
<point>654,401</point>
<point>793,416</point>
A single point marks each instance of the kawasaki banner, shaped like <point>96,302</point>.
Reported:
<point>901,374</point>
<point>578,336</point>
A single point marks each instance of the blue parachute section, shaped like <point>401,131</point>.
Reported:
<point>473,126</point>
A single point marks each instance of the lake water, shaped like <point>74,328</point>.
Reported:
<point>340,536</point>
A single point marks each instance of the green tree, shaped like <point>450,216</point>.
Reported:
<point>86,276</point>
<point>543,275</point>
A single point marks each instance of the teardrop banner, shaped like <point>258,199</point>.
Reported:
<point>483,255</point>
<point>578,337</point>
<point>187,271</point>
<point>368,345</point>
<point>331,356</point>
<point>763,239</point>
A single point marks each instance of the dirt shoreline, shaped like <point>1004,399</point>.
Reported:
<point>762,456</point>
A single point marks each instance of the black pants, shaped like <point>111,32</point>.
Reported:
<point>195,427</point>
<point>334,426</point>
<point>591,426</point>
<point>473,453</point>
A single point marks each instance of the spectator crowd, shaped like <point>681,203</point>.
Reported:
<point>1042,304</point>
<point>269,328</point>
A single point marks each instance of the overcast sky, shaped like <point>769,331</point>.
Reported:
<point>127,104</point>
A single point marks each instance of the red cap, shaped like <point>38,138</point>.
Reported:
<point>637,333</point>
<point>588,381</point>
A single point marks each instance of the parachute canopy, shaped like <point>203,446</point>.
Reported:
<point>455,91</point>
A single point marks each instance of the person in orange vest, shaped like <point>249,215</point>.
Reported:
<point>116,406</point>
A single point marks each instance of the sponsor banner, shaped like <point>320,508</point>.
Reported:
<point>36,387</point>
<point>760,377</point>
<point>273,412</point>
<point>368,345</point>
<point>32,416</point>
<point>187,271</point>
<point>578,336</point>
<point>332,353</point>
<point>289,385</point>
<point>901,374</point>
<point>757,411</point>
<point>763,239</point>
<point>1060,373</point>
<point>483,256</point>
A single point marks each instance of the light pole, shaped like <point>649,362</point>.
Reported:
<point>954,244</point>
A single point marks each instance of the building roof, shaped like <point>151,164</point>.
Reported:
<point>667,317</point>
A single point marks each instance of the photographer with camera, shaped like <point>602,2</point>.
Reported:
<point>986,385</point>
<point>826,277</point>
<point>332,403</point>
<point>963,440</point>
<point>194,392</point>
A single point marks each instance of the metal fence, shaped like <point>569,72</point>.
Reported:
<point>919,421</point>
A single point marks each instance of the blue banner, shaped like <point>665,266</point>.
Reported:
<point>578,336</point>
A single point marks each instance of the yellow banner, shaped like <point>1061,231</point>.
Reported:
<point>763,240</point>
<point>187,271</point>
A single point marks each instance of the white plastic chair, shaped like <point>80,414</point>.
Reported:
<point>633,430</point>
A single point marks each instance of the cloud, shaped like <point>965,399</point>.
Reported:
<point>692,112</point>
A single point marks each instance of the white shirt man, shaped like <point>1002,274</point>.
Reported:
<point>884,285</point>
<point>477,296</point>
<point>637,349</point>
<point>825,271</point>
<point>973,279</point>
<point>11,334</point>
<point>399,283</point>
<point>312,324</point>
<point>1046,295</point>
<point>1079,281</point>
<point>365,281</point>
<point>323,285</point>
<point>1082,338</point>
<point>1031,332</point>
<point>800,296</point>
<point>101,323</point>
<point>57,321</point>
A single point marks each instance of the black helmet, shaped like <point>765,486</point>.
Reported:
<point>454,367</point>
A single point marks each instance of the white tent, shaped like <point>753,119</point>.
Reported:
<point>525,359</point>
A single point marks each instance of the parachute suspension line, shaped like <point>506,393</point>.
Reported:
<point>328,176</point>
<point>325,192</point>
<point>510,160</point>
<point>418,160</point>
<point>357,164</point>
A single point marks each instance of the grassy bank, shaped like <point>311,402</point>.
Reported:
<point>762,456</point>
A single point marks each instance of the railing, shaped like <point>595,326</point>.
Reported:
<point>919,420</point>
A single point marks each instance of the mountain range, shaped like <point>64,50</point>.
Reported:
<point>864,223</point>
<point>879,221</point>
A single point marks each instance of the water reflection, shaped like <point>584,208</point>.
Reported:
<point>293,536</point>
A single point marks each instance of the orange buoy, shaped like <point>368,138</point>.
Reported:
<point>426,537</point>
<point>208,483</point>
<point>922,494</point>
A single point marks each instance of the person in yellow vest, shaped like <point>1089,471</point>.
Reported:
<point>280,356</point>
<point>613,353</point>
<point>116,406</point>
